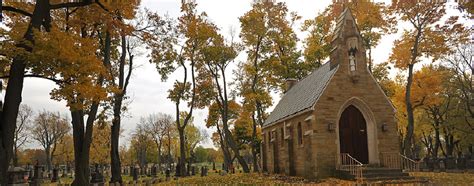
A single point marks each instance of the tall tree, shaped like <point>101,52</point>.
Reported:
<point>158,126</point>
<point>217,57</point>
<point>40,17</point>
<point>461,61</point>
<point>317,45</point>
<point>423,38</point>
<point>141,144</point>
<point>49,130</point>
<point>272,57</point>
<point>121,76</point>
<point>178,46</point>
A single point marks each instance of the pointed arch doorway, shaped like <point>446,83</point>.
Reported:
<point>353,134</point>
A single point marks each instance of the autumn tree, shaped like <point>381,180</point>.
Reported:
<point>381,73</point>
<point>64,154</point>
<point>194,136</point>
<point>178,47</point>
<point>141,145</point>
<point>272,57</point>
<point>432,95</point>
<point>101,144</point>
<point>461,61</point>
<point>49,130</point>
<point>24,122</point>
<point>217,57</point>
<point>158,126</point>
<point>317,45</point>
<point>423,38</point>
<point>20,42</point>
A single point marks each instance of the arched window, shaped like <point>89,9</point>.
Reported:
<point>300,134</point>
<point>282,137</point>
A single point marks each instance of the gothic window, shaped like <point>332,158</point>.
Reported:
<point>282,136</point>
<point>300,134</point>
<point>269,139</point>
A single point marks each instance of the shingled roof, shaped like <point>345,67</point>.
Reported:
<point>303,95</point>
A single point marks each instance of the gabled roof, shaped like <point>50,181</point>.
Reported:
<point>303,95</point>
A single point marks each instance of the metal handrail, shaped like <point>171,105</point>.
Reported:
<point>410,164</point>
<point>399,161</point>
<point>348,163</point>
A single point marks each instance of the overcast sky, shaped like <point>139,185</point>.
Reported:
<point>148,94</point>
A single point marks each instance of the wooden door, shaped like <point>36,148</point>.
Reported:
<point>353,134</point>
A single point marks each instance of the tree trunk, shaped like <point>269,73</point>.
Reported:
<point>225,150</point>
<point>9,114</point>
<point>408,142</point>
<point>118,101</point>
<point>114,150</point>
<point>182,153</point>
<point>159,156</point>
<point>14,91</point>
<point>81,165</point>
<point>234,148</point>
<point>169,150</point>
<point>437,142</point>
<point>48,158</point>
<point>254,144</point>
<point>82,138</point>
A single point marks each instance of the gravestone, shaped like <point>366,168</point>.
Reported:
<point>188,169</point>
<point>37,175</point>
<point>63,172</point>
<point>153,171</point>
<point>16,175</point>
<point>178,169</point>
<point>30,173</point>
<point>202,171</point>
<point>193,170</point>
<point>135,173</point>
<point>223,173</point>
<point>97,178</point>
<point>55,176</point>
<point>124,170</point>
<point>231,168</point>
<point>168,174</point>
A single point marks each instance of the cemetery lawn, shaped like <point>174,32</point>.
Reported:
<point>443,178</point>
<point>250,179</point>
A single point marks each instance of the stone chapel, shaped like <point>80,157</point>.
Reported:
<point>337,111</point>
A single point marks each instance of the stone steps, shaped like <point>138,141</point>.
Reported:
<point>382,175</point>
